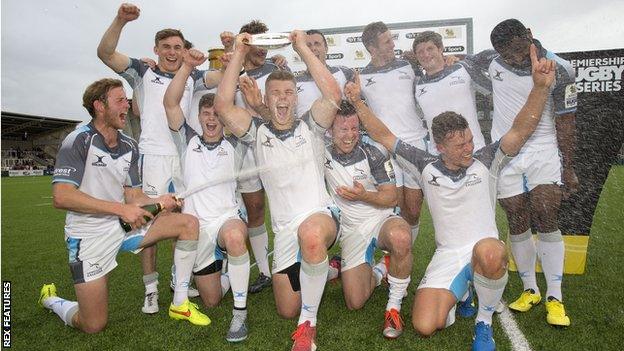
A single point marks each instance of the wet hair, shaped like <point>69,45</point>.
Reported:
<point>371,32</point>
<point>254,27</point>
<point>445,123</point>
<point>426,36</point>
<point>314,31</point>
<point>280,75</point>
<point>346,109</point>
<point>206,100</point>
<point>167,33</point>
<point>98,90</point>
<point>504,32</point>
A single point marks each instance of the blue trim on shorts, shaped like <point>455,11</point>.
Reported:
<point>131,243</point>
<point>459,285</point>
<point>73,246</point>
<point>218,253</point>
<point>525,183</point>
<point>299,256</point>
<point>171,188</point>
<point>370,252</point>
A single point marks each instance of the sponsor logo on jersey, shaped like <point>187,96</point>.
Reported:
<point>64,171</point>
<point>404,75</point>
<point>157,81</point>
<point>328,163</point>
<point>221,151</point>
<point>99,162</point>
<point>434,180</point>
<point>127,166</point>
<point>267,141</point>
<point>359,174</point>
<point>369,81</point>
<point>455,80</point>
<point>149,189</point>
<point>422,91</point>
<point>497,75</point>
<point>299,140</point>
<point>472,179</point>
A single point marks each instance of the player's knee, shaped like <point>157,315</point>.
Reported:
<point>424,328</point>
<point>490,256</point>
<point>311,240</point>
<point>401,242</point>
<point>235,241</point>
<point>287,312</point>
<point>211,301</point>
<point>354,302</point>
<point>93,326</point>
<point>190,228</point>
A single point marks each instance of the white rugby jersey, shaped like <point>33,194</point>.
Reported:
<point>452,89</point>
<point>85,161</point>
<point>260,74</point>
<point>511,87</point>
<point>463,202</point>
<point>308,91</point>
<point>217,163</point>
<point>365,164</point>
<point>149,86</point>
<point>291,167</point>
<point>389,93</point>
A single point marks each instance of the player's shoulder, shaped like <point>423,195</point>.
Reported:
<point>373,150</point>
<point>128,141</point>
<point>79,136</point>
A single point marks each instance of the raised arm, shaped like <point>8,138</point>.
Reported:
<point>376,129</point>
<point>175,90</point>
<point>253,96</point>
<point>106,51</point>
<point>526,121</point>
<point>323,109</point>
<point>235,118</point>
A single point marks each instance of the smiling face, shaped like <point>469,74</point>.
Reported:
<point>430,57</point>
<point>457,148</point>
<point>169,51</point>
<point>316,43</point>
<point>281,99</point>
<point>211,126</point>
<point>255,57</point>
<point>345,133</point>
<point>115,108</point>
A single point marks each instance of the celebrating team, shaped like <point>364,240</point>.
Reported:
<point>300,140</point>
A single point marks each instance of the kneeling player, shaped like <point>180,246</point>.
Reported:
<point>97,180</point>
<point>460,187</point>
<point>361,180</point>
<point>212,158</point>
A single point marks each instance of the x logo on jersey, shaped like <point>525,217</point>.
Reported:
<point>497,76</point>
<point>434,180</point>
<point>267,142</point>
<point>328,163</point>
<point>370,81</point>
<point>422,91</point>
<point>299,89</point>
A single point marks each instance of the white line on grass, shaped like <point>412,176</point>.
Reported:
<point>510,327</point>
<point>43,204</point>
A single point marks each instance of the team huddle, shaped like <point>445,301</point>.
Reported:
<point>342,157</point>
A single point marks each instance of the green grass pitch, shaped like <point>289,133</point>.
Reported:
<point>33,253</point>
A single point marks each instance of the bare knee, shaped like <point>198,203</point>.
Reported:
<point>190,228</point>
<point>354,302</point>
<point>401,241</point>
<point>287,312</point>
<point>93,326</point>
<point>311,240</point>
<point>424,328</point>
<point>490,257</point>
<point>211,301</point>
<point>254,203</point>
<point>235,241</point>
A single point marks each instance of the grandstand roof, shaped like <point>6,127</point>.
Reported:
<point>14,125</point>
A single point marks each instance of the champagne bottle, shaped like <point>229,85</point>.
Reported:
<point>154,209</point>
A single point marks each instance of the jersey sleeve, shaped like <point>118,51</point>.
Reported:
<point>411,158</point>
<point>182,137</point>
<point>477,67</point>
<point>348,73</point>
<point>314,127</point>
<point>133,179</point>
<point>493,157</point>
<point>250,136</point>
<point>239,150</point>
<point>380,165</point>
<point>199,81</point>
<point>134,72</point>
<point>564,91</point>
<point>71,158</point>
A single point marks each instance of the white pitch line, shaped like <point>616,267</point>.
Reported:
<point>510,327</point>
<point>44,204</point>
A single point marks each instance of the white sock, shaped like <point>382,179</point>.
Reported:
<point>551,251</point>
<point>524,253</point>
<point>183,260</point>
<point>415,229</point>
<point>313,278</point>
<point>238,269</point>
<point>398,287</point>
<point>380,271</point>
<point>259,240</point>
<point>225,283</point>
<point>489,293</point>
<point>151,282</point>
<point>65,309</point>
<point>332,273</point>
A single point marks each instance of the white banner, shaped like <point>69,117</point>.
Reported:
<point>344,45</point>
<point>25,172</point>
